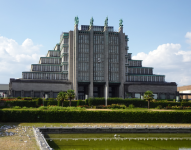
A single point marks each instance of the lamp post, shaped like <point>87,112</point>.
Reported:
<point>106,96</point>
<point>177,99</point>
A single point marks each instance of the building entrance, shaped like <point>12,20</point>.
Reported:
<point>114,91</point>
<point>98,90</point>
<point>82,91</point>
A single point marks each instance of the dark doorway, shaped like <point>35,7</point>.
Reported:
<point>82,91</point>
<point>98,90</point>
<point>113,91</point>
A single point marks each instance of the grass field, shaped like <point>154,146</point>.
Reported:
<point>91,109</point>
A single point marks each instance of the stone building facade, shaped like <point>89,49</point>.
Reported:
<point>94,62</point>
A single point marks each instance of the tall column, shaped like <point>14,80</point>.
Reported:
<point>71,58</point>
<point>106,69</point>
<point>121,61</point>
<point>91,61</point>
<point>22,93</point>
<point>75,61</point>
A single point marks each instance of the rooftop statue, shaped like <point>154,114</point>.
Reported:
<point>76,20</point>
<point>106,22</point>
<point>121,23</point>
<point>91,21</point>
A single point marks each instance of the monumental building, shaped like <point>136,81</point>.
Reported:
<point>94,62</point>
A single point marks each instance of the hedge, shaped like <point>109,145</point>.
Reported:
<point>94,116</point>
<point>135,101</point>
<point>38,102</point>
<point>95,102</point>
<point>31,103</point>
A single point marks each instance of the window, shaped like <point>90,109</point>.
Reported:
<point>65,67</point>
<point>65,49</point>
<point>65,76</point>
<point>65,58</point>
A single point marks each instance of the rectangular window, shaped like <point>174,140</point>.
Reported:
<point>65,58</point>
<point>65,67</point>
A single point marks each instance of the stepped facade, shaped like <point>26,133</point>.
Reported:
<point>94,62</point>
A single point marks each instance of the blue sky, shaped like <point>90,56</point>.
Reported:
<point>35,27</point>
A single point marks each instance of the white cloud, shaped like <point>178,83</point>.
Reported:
<point>188,36</point>
<point>169,60</point>
<point>15,58</point>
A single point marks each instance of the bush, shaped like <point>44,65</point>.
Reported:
<point>59,103</point>
<point>20,103</point>
<point>114,106</point>
<point>185,100</point>
<point>80,102</point>
<point>131,106</point>
<point>50,102</point>
<point>159,107</point>
<point>90,101</point>
<point>71,115</point>
<point>16,107</point>
<point>42,107</point>
<point>101,107</point>
<point>51,99</point>
<point>27,98</point>
<point>39,101</point>
<point>95,101</point>
<point>18,97</point>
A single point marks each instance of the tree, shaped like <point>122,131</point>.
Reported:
<point>62,96</point>
<point>148,95</point>
<point>71,95</point>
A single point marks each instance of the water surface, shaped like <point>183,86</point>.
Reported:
<point>121,141</point>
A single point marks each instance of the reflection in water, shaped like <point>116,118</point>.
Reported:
<point>109,141</point>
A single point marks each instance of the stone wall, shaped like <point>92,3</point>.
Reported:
<point>42,86</point>
<point>167,90</point>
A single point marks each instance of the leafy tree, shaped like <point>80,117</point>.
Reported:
<point>148,95</point>
<point>62,96</point>
<point>71,95</point>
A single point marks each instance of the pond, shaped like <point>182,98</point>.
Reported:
<point>121,141</point>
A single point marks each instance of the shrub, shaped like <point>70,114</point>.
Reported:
<point>18,97</point>
<point>90,101</point>
<point>185,100</point>
<point>39,101</point>
<point>27,98</point>
<point>51,99</point>
<point>59,103</point>
<point>42,107</point>
<point>20,103</point>
<point>16,107</point>
<point>73,115</point>
<point>80,102</point>
<point>131,106</point>
<point>85,106</point>
<point>114,106</point>
<point>159,107</point>
<point>101,107</point>
<point>24,107</point>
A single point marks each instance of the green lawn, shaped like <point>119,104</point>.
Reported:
<point>92,109</point>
